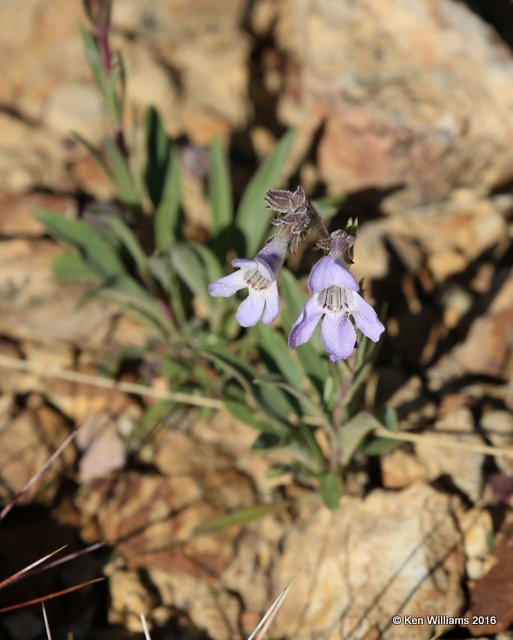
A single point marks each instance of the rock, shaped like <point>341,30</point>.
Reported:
<point>346,585</point>
<point>464,469</point>
<point>27,440</point>
<point>452,234</point>
<point>75,107</point>
<point>16,211</point>
<point>203,42</point>
<point>498,428</point>
<point>488,347</point>
<point>492,594</point>
<point>400,469</point>
<point>130,598</point>
<point>25,165</point>
<point>103,450</point>
<point>36,307</point>
<point>477,527</point>
<point>411,93</point>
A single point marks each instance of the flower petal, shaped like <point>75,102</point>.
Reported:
<point>327,272</point>
<point>338,336</point>
<point>250,310</point>
<point>244,263</point>
<point>272,303</point>
<point>366,319</point>
<point>304,326</point>
<point>227,286</point>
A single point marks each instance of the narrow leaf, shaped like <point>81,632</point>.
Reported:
<point>274,345</point>
<point>252,216</point>
<point>190,270</point>
<point>132,245</point>
<point>220,189</point>
<point>242,412</point>
<point>330,489</point>
<point>235,519</point>
<point>122,176</point>
<point>166,216</point>
<point>95,251</point>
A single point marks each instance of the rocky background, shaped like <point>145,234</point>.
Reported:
<point>406,108</point>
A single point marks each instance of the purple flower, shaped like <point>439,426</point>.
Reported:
<point>335,299</point>
<point>259,276</point>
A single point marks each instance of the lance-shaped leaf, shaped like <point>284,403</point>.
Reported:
<point>252,217</point>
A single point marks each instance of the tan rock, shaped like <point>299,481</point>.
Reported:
<point>488,347</point>
<point>27,440</point>
<point>423,104</point>
<point>355,569</point>
<point>463,467</point>
<point>36,307</point>
<point>16,211</point>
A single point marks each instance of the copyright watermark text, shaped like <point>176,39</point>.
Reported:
<point>444,620</point>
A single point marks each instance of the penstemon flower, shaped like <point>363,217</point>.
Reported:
<point>259,276</point>
<point>335,299</point>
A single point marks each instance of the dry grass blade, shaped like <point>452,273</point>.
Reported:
<point>145,627</point>
<point>267,620</point>
<point>108,383</point>
<point>437,441</point>
<point>37,475</point>
<point>70,556</point>
<point>47,626</point>
<point>50,596</point>
<point>23,572</point>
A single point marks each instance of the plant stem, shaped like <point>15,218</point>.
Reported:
<point>336,417</point>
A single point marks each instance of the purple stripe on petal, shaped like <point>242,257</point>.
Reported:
<point>272,304</point>
<point>250,310</point>
<point>338,336</point>
<point>366,319</point>
<point>227,286</point>
<point>244,263</point>
<point>304,326</point>
<point>327,273</point>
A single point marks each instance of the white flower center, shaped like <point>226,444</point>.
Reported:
<point>336,300</point>
<point>256,280</point>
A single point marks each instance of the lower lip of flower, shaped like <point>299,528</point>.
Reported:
<point>256,280</point>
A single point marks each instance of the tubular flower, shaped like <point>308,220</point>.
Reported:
<point>335,299</point>
<point>259,276</point>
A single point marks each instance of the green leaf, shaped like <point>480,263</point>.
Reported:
<point>127,294</point>
<point>381,446</point>
<point>96,253</point>
<point>121,174</point>
<point>235,519</point>
<point>327,207</point>
<point>274,345</point>
<point>166,220</point>
<point>276,404</point>
<point>220,189</point>
<point>70,266</point>
<point>123,232</point>
<point>252,218</point>
<point>353,433</point>
<point>94,58</point>
<point>387,415</point>
<point>330,489</point>
<point>242,412</point>
<point>190,270</point>
<point>95,155</point>
<point>213,270</point>
<point>158,156</point>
